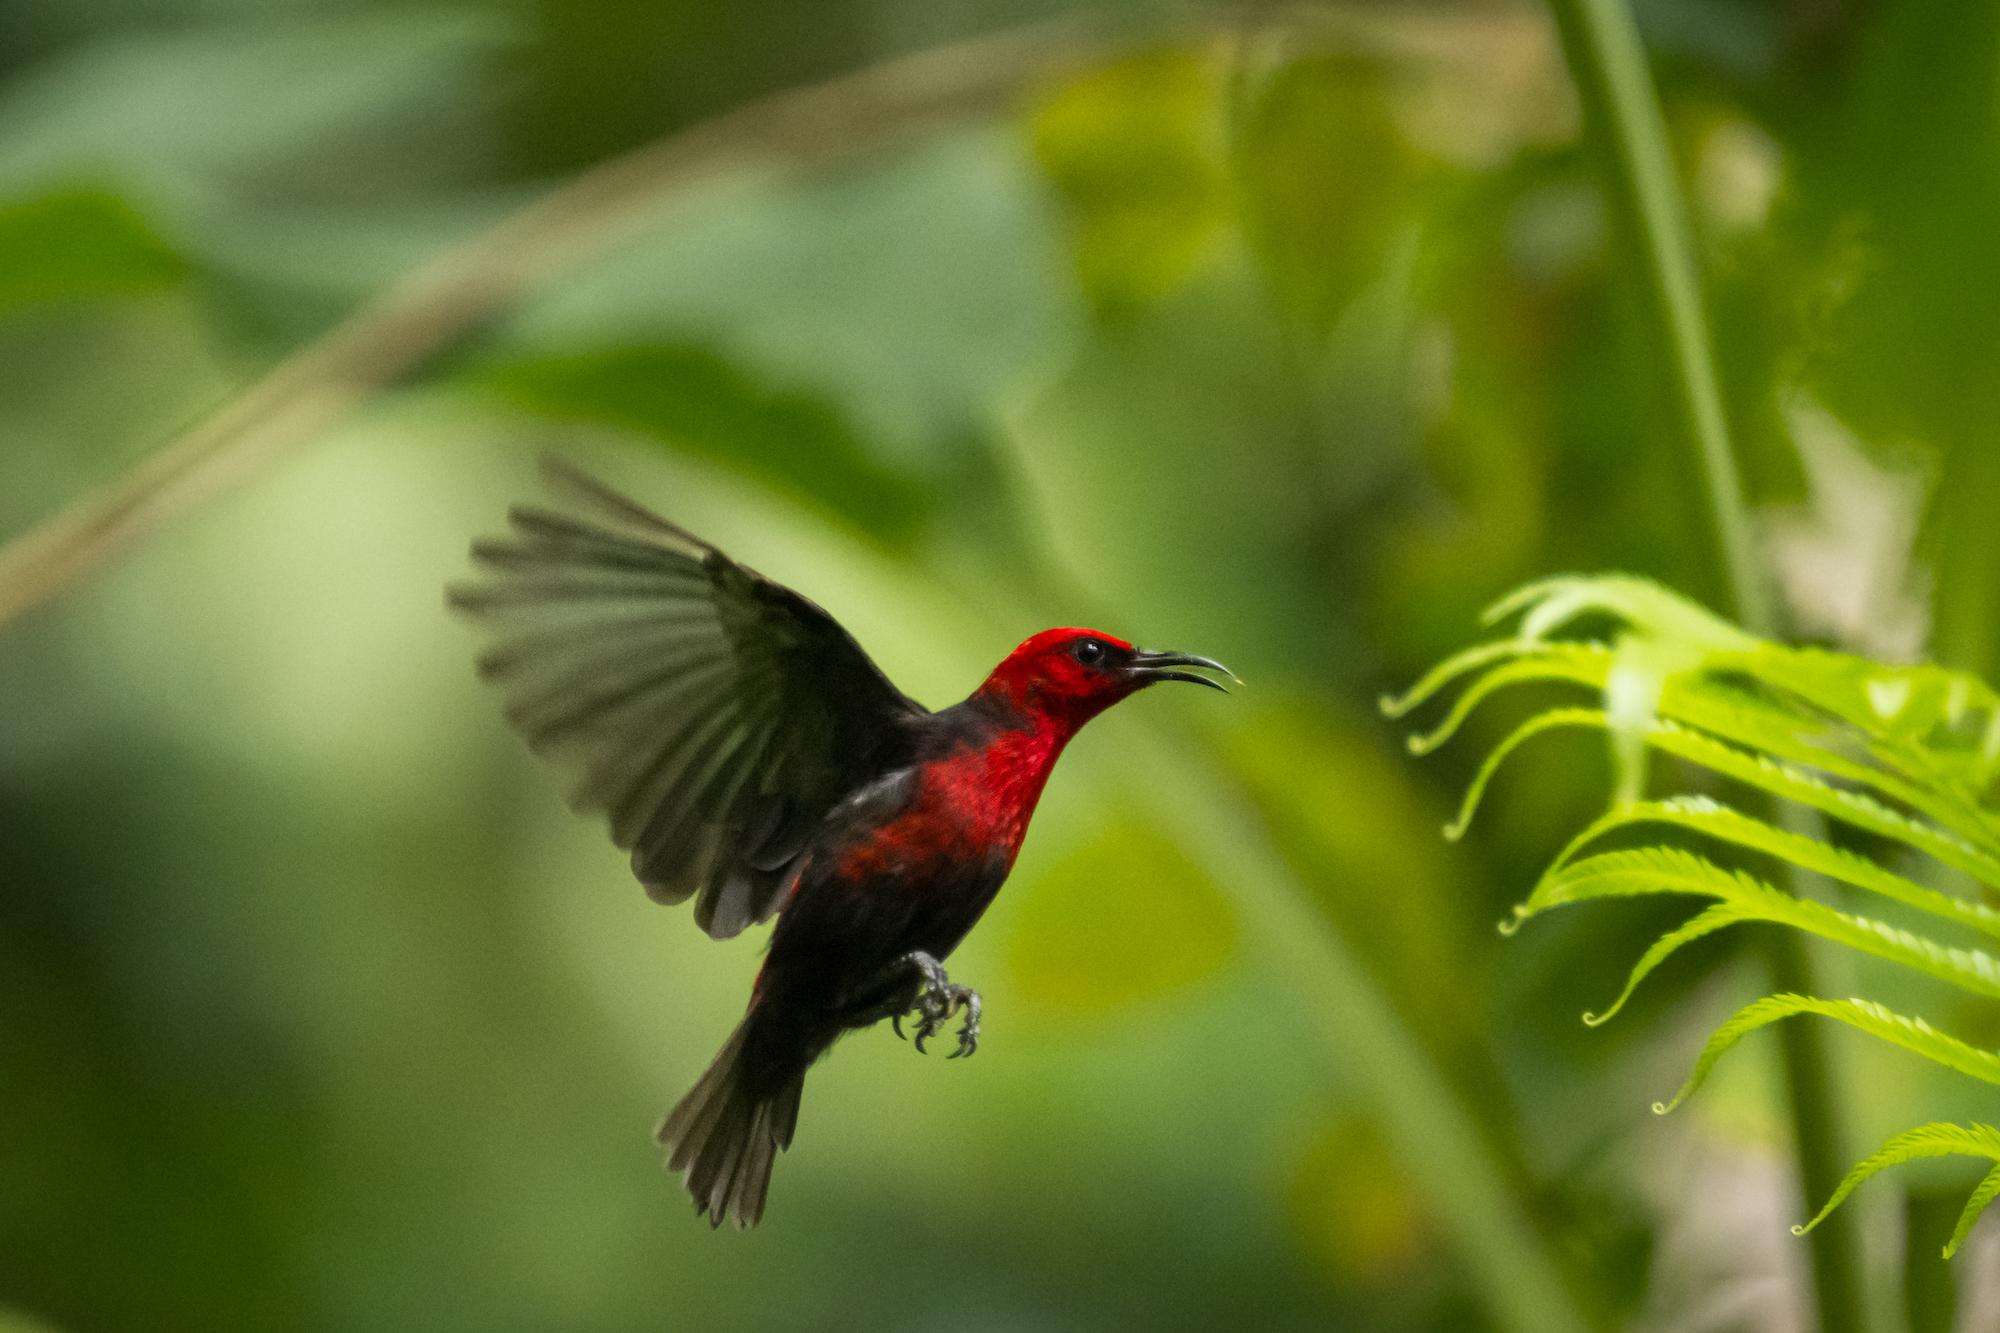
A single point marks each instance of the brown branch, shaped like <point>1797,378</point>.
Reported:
<point>478,280</point>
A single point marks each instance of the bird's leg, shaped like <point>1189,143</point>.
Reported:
<point>917,981</point>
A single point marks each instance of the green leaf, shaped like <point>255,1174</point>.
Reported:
<point>1989,1187</point>
<point>1549,604</point>
<point>1756,770</point>
<point>1742,897</point>
<point>1459,664</point>
<point>1933,1140</point>
<point>80,244</point>
<point>1912,1034</point>
<point>1575,663</point>
<point>1711,818</point>
<point>1672,679</point>
<point>693,399</point>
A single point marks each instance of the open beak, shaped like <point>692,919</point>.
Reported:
<point>1149,667</point>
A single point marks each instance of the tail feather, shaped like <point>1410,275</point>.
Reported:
<point>724,1136</point>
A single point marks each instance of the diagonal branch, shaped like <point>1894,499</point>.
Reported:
<point>478,280</point>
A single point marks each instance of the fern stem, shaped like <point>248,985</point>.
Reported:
<point>1930,1296</point>
<point>1615,88</point>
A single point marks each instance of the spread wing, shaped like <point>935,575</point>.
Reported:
<point>716,716</point>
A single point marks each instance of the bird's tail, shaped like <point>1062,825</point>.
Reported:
<point>724,1135</point>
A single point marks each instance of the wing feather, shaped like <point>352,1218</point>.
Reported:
<point>715,716</point>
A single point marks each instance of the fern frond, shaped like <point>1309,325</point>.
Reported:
<point>1756,770</point>
<point>1713,819</point>
<point>1909,754</point>
<point>1912,1034</point>
<point>1463,663</point>
<point>1548,604</point>
<point>1989,1187</point>
<point>1700,703</point>
<point>1741,897</point>
<point>1894,771</point>
<point>1933,1140</point>
<point>1575,664</point>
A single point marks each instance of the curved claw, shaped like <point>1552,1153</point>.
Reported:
<point>968,1033</point>
<point>896,1026</point>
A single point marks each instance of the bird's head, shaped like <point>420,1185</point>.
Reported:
<point>1071,675</point>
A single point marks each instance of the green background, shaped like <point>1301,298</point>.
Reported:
<point>1291,339</point>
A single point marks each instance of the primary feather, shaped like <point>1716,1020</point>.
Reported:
<point>715,716</point>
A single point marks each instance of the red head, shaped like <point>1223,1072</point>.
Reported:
<point>1068,676</point>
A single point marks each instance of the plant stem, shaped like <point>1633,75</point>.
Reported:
<point>1608,66</point>
<point>1930,1297</point>
<point>1615,88</point>
<point>1350,1023</point>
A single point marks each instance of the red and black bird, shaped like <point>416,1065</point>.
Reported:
<point>750,756</point>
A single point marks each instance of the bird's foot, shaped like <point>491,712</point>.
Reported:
<point>929,981</point>
<point>935,1008</point>
<point>934,998</point>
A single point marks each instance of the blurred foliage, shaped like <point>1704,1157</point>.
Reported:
<point>1068,951</point>
<point>78,244</point>
<point>690,398</point>
<point>1135,151</point>
<point>1293,342</point>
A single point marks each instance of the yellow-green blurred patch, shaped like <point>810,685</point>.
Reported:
<point>1318,162</point>
<point>1366,839</point>
<point>1135,152</point>
<point>1123,917</point>
<point>1352,1210</point>
<point>79,243</point>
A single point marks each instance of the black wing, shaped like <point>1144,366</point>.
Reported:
<point>717,716</point>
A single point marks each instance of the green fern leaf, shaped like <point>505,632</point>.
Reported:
<point>1741,897</point>
<point>1549,604</point>
<point>1907,753</point>
<point>1711,818</point>
<point>1989,1187</point>
<point>1933,1140</point>
<point>1912,1034</point>
<point>1783,780</point>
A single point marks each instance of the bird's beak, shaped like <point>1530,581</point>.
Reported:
<point>1148,667</point>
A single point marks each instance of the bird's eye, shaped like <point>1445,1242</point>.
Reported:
<point>1088,651</point>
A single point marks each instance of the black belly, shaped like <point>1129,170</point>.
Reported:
<point>835,950</point>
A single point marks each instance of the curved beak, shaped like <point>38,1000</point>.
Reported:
<point>1148,667</point>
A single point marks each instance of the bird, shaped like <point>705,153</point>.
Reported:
<point>749,755</point>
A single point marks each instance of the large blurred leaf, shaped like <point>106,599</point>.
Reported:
<point>364,101</point>
<point>1135,152</point>
<point>80,242</point>
<point>910,289</point>
<point>695,400</point>
<point>1125,916</point>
